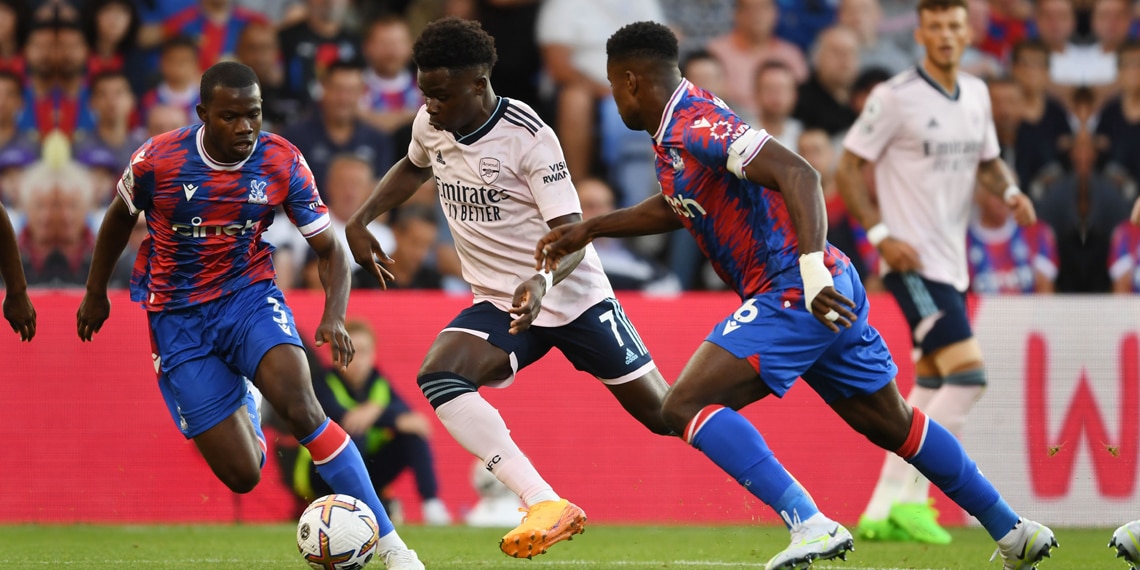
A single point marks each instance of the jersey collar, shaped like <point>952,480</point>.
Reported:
<point>667,114</point>
<point>213,164</point>
<point>938,86</point>
<point>474,136</point>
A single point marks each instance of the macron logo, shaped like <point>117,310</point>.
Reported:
<point>189,189</point>
<point>138,157</point>
<point>702,123</point>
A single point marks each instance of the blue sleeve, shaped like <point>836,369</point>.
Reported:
<point>304,206</point>
<point>136,186</point>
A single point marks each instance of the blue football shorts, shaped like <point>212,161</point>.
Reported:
<point>203,354</point>
<point>784,341</point>
<point>601,341</point>
<point>935,311</point>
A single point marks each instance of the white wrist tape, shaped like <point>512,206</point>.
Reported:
<point>549,277</point>
<point>815,275</point>
<point>877,234</point>
<point>1011,192</point>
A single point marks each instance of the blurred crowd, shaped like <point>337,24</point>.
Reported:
<point>84,82</point>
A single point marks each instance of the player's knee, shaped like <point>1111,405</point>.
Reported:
<point>963,357</point>
<point>442,387</point>
<point>241,480</point>
<point>676,413</point>
<point>302,415</point>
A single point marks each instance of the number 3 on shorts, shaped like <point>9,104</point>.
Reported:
<point>281,318</point>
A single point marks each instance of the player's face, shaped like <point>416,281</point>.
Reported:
<point>454,98</point>
<point>944,34</point>
<point>623,83</point>
<point>232,121</point>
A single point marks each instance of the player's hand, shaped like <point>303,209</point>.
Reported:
<point>1022,208</point>
<point>829,300</point>
<point>560,242</point>
<point>331,331</point>
<point>367,253</point>
<point>527,303</point>
<point>20,313</point>
<point>93,312</point>
<point>1136,212</point>
<point>899,255</point>
<point>413,423</point>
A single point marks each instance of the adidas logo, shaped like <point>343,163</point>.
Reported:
<point>629,356</point>
<point>439,157</point>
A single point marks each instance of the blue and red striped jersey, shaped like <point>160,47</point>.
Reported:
<point>743,227</point>
<point>205,218</point>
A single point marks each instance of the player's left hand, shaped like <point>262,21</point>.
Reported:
<point>829,300</point>
<point>527,302</point>
<point>1022,208</point>
<point>331,331</point>
<point>20,313</point>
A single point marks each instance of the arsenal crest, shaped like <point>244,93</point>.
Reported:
<point>489,169</point>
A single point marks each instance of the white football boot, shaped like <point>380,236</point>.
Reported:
<point>818,538</point>
<point>1026,545</point>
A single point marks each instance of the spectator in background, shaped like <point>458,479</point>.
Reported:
<point>1083,207</point>
<point>18,148</point>
<point>1007,106</point>
<point>164,118</point>
<point>626,270</point>
<point>56,243</point>
<point>1005,258</point>
<point>39,60</point>
<point>56,55</point>
<point>1111,23</point>
<point>217,25</point>
<point>111,28</point>
<point>392,93</point>
<point>824,101</point>
<point>802,21</point>
<point>864,18</point>
<point>1008,26</point>
<point>975,60</point>
<point>697,22</point>
<point>257,48</point>
<point>111,103</point>
<point>316,43</point>
<point>752,43</point>
<point>15,21</point>
<point>1070,65</point>
<point>279,13</point>
<point>1118,129</point>
<point>704,70</point>
<point>336,128</point>
<point>179,76</point>
<point>1044,136</point>
<point>391,436</point>
<point>775,99</point>
<point>1124,255</point>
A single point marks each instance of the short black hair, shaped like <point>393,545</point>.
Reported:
<point>869,78</point>
<point>697,55</point>
<point>106,75</point>
<point>648,40</point>
<point>1024,46</point>
<point>939,5</point>
<point>228,75</point>
<point>343,65</point>
<point>453,43</point>
<point>90,23</point>
<point>9,75</point>
<point>179,42</point>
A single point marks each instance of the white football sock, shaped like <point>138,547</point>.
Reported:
<point>950,406</point>
<point>391,541</point>
<point>479,428</point>
<point>896,472</point>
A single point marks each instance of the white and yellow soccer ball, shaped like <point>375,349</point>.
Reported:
<point>338,532</point>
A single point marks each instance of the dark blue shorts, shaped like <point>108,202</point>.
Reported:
<point>935,311</point>
<point>601,341</point>
<point>204,353</point>
<point>784,341</point>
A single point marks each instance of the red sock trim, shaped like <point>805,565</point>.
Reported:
<point>699,421</point>
<point>916,437</point>
<point>329,444</point>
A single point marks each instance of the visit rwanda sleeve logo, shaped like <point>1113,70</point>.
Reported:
<point>257,192</point>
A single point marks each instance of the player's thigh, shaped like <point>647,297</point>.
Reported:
<point>231,449</point>
<point>935,311</point>
<point>254,322</point>
<point>477,345</point>
<point>958,357</point>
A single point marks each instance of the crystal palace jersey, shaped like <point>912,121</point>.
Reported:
<point>926,145</point>
<point>1124,256</point>
<point>498,186</point>
<point>205,219</point>
<point>1008,259</point>
<point>743,227</point>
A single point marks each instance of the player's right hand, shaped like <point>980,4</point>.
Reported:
<point>558,243</point>
<point>20,313</point>
<point>93,312</point>
<point>899,255</point>
<point>367,253</point>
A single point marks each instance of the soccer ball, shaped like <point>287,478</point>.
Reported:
<point>1124,540</point>
<point>337,532</point>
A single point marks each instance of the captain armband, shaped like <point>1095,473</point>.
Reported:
<point>744,149</point>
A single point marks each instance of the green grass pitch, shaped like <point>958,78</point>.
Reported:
<point>601,547</point>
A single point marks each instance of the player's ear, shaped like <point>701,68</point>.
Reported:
<point>631,82</point>
<point>481,83</point>
<point>201,110</point>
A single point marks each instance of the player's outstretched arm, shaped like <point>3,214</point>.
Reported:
<point>995,176</point>
<point>652,216</point>
<point>18,309</point>
<point>401,181</point>
<point>778,168</point>
<point>332,266</point>
<point>114,234</point>
<point>899,255</point>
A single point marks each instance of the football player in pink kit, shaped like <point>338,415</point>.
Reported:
<point>757,211</point>
<point>18,310</point>
<point>206,279</point>
<point>503,183</point>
